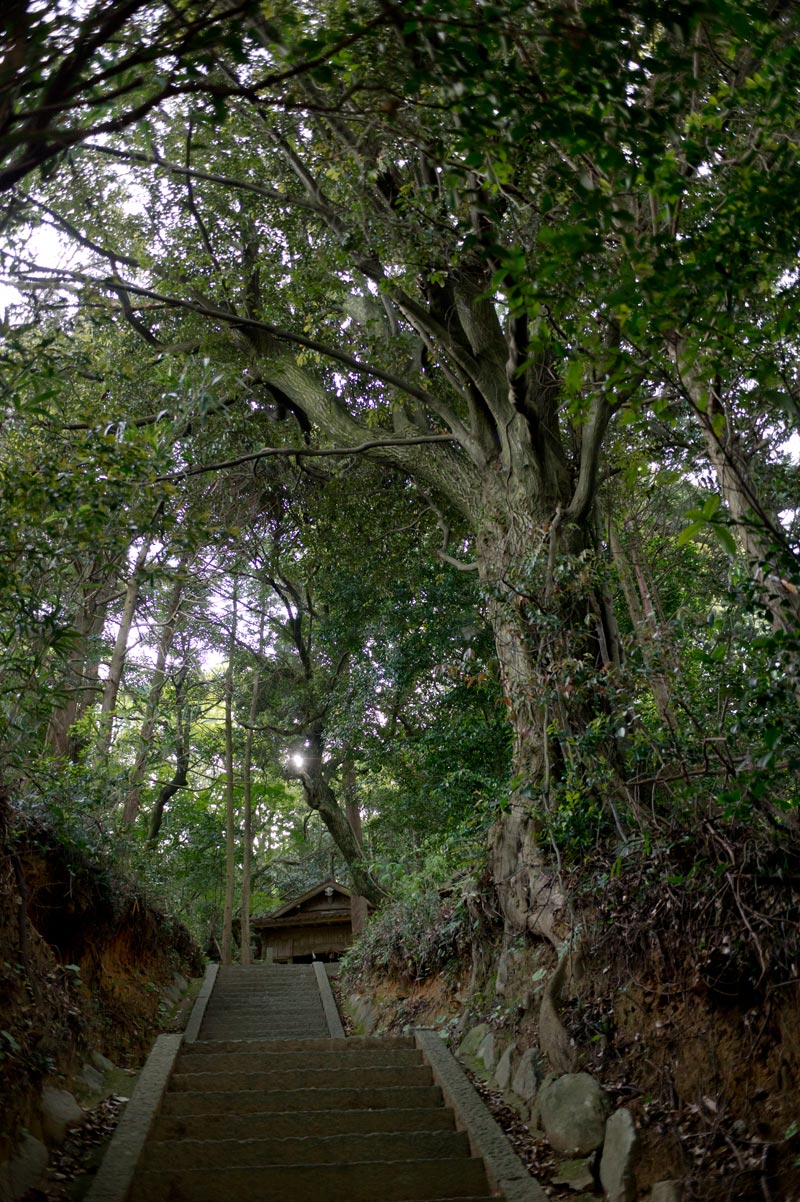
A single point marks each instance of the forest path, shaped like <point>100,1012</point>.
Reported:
<point>264,1099</point>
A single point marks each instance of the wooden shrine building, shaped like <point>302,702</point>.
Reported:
<point>318,925</point>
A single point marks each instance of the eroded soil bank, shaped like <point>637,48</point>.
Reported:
<point>687,1019</point>
<point>89,971</point>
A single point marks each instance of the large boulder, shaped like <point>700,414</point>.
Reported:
<point>60,1111</point>
<point>618,1162</point>
<point>24,1170</point>
<point>473,1039</point>
<point>573,1110</point>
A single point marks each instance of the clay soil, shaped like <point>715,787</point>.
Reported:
<point>82,960</point>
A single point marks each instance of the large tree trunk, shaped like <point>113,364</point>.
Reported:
<point>549,633</point>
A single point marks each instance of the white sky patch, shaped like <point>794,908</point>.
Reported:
<point>791,448</point>
<point>45,247</point>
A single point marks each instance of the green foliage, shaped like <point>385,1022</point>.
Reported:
<point>411,938</point>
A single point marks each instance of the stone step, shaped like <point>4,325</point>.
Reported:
<point>354,1043</point>
<point>299,1001</point>
<point>285,1125</point>
<point>266,970</point>
<point>254,1101</point>
<point>370,1076</point>
<point>254,1031</point>
<point>378,1181</point>
<point>264,1022</point>
<point>258,996</point>
<point>302,1020</point>
<point>175,1155</point>
<point>263,1062</point>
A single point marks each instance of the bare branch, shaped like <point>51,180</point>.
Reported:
<point>360,449</point>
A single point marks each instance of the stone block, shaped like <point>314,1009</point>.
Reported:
<point>504,1070</point>
<point>577,1174</point>
<point>666,1191</point>
<point>618,1162</point>
<point>486,1053</point>
<point>528,1076</point>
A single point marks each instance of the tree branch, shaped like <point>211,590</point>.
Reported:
<point>371,445</point>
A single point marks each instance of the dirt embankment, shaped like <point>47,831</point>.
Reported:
<point>84,962</point>
<point>685,1008</point>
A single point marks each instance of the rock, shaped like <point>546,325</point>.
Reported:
<point>60,1111</point>
<point>528,1077</point>
<point>24,1170</point>
<point>366,1018</point>
<point>573,1111</point>
<point>577,1174</point>
<point>92,1079</point>
<point>180,982</point>
<point>472,1040</point>
<point>172,994</point>
<point>666,1191</point>
<point>620,1149</point>
<point>505,1068</point>
<point>101,1062</point>
<point>486,1052</point>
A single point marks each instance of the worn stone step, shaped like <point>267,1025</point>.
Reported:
<point>386,1181</point>
<point>263,1062</point>
<point>253,1100</point>
<point>215,1047</point>
<point>239,1022</point>
<point>371,1076</point>
<point>259,1002</point>
<point>251,1033</point>
<point>301,1019</point>
<point>173,1155</point>
<point>284,1125</point>
<point>255,996</point>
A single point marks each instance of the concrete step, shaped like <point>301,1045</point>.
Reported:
<point>379,1181</point>
<point>214,1047</point>
<point>371,1076</point>
<point>263,1062</point>
<point>175,1155</point>
<point>280,1125</point>
<point>254,1101</point>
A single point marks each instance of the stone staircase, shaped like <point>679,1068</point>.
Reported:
<point>240,1109</point>
<point>275,1001</point>
<point>357,1119</point>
